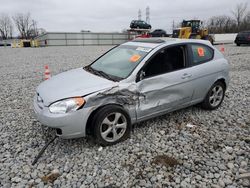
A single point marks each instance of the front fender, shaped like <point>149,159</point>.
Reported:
<point>126,97</point>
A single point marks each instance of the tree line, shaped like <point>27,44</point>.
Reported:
<point>25,25</point>
<point>238,21</point>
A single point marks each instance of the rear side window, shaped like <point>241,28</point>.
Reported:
<point>201,53</point>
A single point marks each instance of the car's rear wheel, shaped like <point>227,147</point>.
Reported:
<point>214,96</point>
<point>238,44</point>
<point>111,125</point>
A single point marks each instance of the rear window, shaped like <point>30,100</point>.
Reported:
<point>201,53</point>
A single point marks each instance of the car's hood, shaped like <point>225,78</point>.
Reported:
<point>76,82</point>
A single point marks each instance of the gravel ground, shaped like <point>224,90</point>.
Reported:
<point>162,152</point>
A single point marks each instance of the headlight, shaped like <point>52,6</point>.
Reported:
<point>66,105</point>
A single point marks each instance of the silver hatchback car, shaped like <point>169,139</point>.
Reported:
<point>130,83</point>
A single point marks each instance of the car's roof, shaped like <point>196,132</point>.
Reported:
<point>155,42</point>
<point>137,20</point>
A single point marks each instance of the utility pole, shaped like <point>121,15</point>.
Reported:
<point>173,25</point>
<point>148,15</point>
<point>139,14</point>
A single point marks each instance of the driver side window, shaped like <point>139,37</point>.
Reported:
<point>166,60</point>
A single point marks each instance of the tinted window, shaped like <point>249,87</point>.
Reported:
<point>201,53</point>
<point>167,60</point>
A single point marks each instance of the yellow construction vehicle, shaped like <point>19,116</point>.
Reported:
<point>192,29</point>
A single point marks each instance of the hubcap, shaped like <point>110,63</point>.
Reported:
<point>216,96</point>
<point>113,127</point>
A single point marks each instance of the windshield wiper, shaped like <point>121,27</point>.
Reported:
<point>102,74</point>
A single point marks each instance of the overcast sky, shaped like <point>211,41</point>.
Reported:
<point>114,15</point>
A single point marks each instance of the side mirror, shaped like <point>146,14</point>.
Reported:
<point>141,75</point>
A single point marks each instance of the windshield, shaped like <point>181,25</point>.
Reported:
<point>120,61</point>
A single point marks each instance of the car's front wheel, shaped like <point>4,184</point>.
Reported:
<point>111,125</point>
<point>214,96</point>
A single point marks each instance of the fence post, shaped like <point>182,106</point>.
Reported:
<point>66,39</point>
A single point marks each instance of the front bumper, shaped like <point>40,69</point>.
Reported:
<point>69,125</point>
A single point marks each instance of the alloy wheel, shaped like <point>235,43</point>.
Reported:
<point>216,96</point>
<point>113,127</point>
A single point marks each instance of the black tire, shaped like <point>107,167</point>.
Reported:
<point>210,38</point>
<point>98,124</point>
<point>208,101</point>
<point>238,44</point>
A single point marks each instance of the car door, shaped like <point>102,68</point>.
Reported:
<point>204,70</point>
<point>164,88</point>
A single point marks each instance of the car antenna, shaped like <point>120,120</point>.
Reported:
<point>43,149</point>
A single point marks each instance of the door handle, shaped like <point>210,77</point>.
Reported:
<point>186,75</point>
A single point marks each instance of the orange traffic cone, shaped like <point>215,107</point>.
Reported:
<point>222,48</point>
<point>47,73</point>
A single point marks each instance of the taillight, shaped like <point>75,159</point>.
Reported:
<point>248,37</point>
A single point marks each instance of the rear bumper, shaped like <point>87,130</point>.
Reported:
<point>71,125</point>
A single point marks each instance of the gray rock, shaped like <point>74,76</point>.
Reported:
<point>242,171</point>
<point>243,164</point>
<point>26,169</point>
<point>177,180</point>
<point>246,182</point>
<point>222,167</point>
<point>216,175</point>
<point>245,175</point>
<point>198,177</point>
<point>230,165</point>
<point>229,150</point>
<point>227,181</point>
<point>184,184</point>
<point>221,183</point>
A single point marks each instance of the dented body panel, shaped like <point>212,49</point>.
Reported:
<point>163,93</point>
<point>140,98</point>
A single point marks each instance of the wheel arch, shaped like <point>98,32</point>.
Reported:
<point>220,79</point>
<point>88,130</point>
<point>223,81</point>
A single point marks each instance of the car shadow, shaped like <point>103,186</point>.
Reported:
<point>70,147</point>
<point>179,116</point>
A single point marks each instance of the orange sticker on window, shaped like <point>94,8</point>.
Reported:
<point>134,58</point>
<point>201,52</point>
